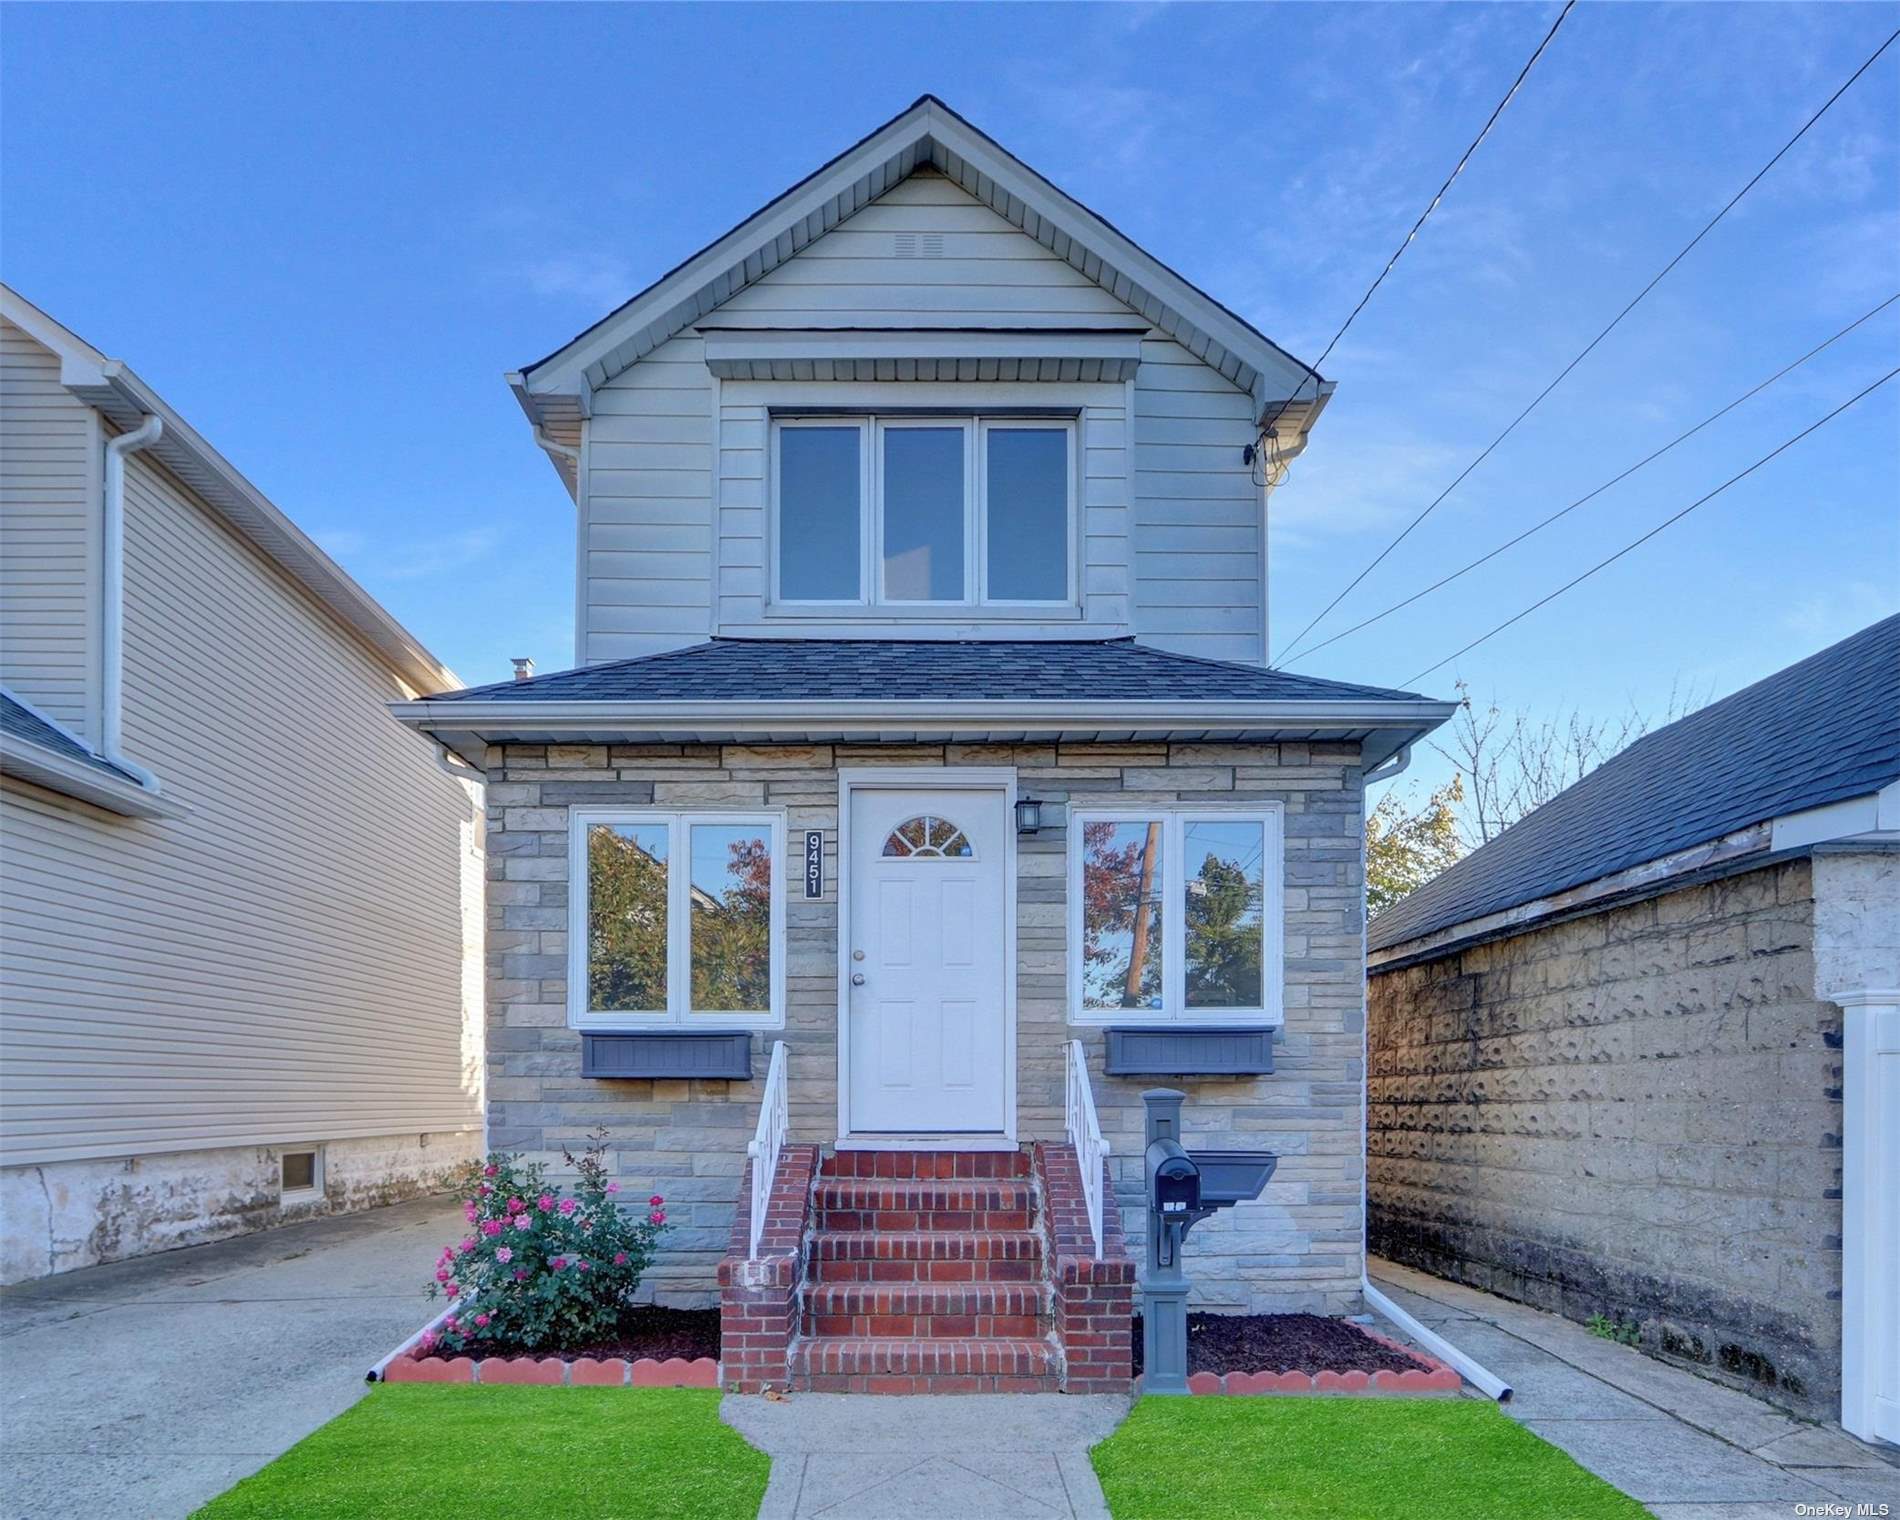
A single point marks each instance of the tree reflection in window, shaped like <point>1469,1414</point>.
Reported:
<point>928,838</point>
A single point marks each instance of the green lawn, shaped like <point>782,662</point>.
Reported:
<point>426,1451</point>
<point>1342,1459</point>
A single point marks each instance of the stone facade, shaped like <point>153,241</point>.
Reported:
<point>1299,1247</point>
<point>1635,1113</point>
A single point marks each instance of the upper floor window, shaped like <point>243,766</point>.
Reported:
<point>924,511</point>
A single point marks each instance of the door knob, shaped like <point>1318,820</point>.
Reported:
<point>857,978</point>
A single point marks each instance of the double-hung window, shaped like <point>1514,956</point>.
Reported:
<point>1174,915</point>
<point>911,512</point>
<point>675,918</point>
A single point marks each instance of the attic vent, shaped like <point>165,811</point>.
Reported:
<point>918,245</point>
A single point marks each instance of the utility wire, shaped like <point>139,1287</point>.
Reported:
<point>1666,522</point>
<point>1312,370</point>
<point>1588,348</point>
<point>1538,527</point>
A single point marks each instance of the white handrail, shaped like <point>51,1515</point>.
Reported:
<point>1085,1134</point>
<point>767,1141</point>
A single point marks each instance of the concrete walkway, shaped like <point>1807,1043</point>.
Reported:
<point>1687,1448</point>
<point>970,1457</point>
<point>146,1387</point>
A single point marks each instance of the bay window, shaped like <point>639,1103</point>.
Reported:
<point>1174,915</point>
<point>675,919</point>
<point>900,512</point>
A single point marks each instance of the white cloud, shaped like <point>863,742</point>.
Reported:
<point>1373,486</point>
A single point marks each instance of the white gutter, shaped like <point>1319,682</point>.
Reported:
<point>1485,1381</point>
<point>554,446</point>
<point>112,688</point>
<point>1396,766</point>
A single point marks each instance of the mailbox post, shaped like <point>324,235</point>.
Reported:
<point>1184,1187</point>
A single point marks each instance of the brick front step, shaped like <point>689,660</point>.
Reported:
<point>927,1311</point>
<point>985,1256</point>
<point>894,1204</point>
<point>819,1364</point>
<point>926,1164</point>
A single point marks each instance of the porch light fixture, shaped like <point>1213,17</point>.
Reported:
<point>1028,815</point>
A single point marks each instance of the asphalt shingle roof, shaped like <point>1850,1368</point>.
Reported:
<point>1820,731</point>
<point>867,670</point>
<point>20,722</point>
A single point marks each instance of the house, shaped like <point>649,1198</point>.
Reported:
<point>1639,1056</point>
<point>237,899</point>
<point>920,794</point>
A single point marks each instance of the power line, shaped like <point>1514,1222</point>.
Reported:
<point>1588,348</point>
<point>1312,370</point>
<point>1538,527</point>
<point>1666,522</point>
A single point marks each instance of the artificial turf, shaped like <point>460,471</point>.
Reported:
<point>429,1451</point>
<point>1266,1458</point>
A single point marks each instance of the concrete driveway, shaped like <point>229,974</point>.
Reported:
<point>146,1387</point>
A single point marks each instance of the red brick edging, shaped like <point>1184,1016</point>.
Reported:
<point>1438,1381</point>
<point>583,1372</point>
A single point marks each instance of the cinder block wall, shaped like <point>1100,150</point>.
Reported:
<point>1634,1114</point>
<point>1298,1248</point>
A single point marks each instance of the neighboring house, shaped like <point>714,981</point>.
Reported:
<point>922,728</point>
<point>238,902</point>
<point>1639,1056</point>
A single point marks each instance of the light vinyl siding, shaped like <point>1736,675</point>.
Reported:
<point>49,461</point>
<point>676,539</point>
<point>1199,516</point>
<point>286,962</point>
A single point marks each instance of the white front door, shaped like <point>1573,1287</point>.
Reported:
<point>926,961</point>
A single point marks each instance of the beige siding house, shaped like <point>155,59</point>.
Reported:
<point>235,973</point>
<point>921,795</point>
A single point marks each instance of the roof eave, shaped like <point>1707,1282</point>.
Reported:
<point>24,760</point>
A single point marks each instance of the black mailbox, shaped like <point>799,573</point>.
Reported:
<point>1174,1180</point>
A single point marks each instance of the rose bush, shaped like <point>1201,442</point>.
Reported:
<point>540,1267</point>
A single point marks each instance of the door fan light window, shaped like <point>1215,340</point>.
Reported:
<point>1175,915</point>
<point>675,918</point>
<point>928,838</point>
<point>914,512</point>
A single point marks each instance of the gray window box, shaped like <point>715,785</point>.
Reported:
<point>716,1056</point>
<point>1225,1051</point>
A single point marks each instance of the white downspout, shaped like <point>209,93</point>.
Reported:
<point>112,656</point>
<point>1474,1373</point>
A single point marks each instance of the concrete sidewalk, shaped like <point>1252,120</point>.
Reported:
<point>1688,1448</point>
<point>1020,1456</point>
<point>146,1387</point>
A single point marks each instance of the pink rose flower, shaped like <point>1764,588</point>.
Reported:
<point>520,1275</point>
<point>620,1258</point>
<point>524,1221</point>
<point>515,1205</point>
<point>568,1205</point>
<point>427,1343</point>
<point>491,1227</point>
<point>466,1245</point>
<point>656,1200</point>
<point>491,1170</point>
<point>613,1187</point>
<point>482,1320</point>
<point>441,1274</point>
<point>544,1202</point>
<point>468,1209</point>
<point>453,1289</point>
<point>658,1216</point>
<point>504,1255</point>
<point>557,1262</point>
<point>486,1190</point>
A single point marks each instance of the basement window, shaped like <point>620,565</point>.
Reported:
<point>300,1175</point>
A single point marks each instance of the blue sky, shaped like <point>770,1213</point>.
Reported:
<point>325,232</point>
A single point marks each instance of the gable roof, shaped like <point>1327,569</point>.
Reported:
<point>27,724</point>
<point>1823,730</point>
<point>126,401</point>
<point>40,749</point>
<point>554,391</point>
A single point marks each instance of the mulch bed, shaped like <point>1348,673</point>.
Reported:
<point>1221,1343</point>
<point>645,1331</point>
